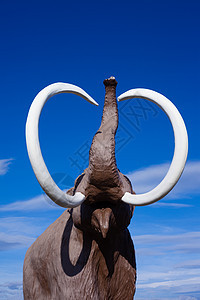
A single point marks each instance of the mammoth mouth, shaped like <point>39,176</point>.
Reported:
<point>102,205</point>
<point>104,218</point>
<point>103,221</point>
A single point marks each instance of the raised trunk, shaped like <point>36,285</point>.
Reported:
<point>102,162</point>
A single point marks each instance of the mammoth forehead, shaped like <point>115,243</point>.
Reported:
<point>102,191</point>
<point>103,197</point>
<point>105,192</point>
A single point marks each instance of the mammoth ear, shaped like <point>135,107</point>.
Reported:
<point>33,144</point>
<point>180,150</point>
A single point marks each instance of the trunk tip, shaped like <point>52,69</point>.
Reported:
<point>110,81</point>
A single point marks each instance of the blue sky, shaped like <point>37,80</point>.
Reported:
<point>147,44</point>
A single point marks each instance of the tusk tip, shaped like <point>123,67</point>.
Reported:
<point>94,102</point>
<point>119,98</point>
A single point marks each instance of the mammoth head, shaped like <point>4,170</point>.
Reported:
<point>102,193</point>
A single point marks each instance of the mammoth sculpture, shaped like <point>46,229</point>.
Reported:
<point>87,253</point>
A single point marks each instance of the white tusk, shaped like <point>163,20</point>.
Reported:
<point>33,144</point>
<point>180,150</point>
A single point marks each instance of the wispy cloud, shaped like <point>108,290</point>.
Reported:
<point>161,238</point>
<point>41,202</point>
<point>30,226</point>
<point>11,291</point>
<point>189,184</point>
<point>4,165</point>
<point>172,283</point>
<point>171,286</point>
<point>188,242</point>
<point>190,264</point>
<point>20,232</point>
<point>173,205</point>
<point>8,242</point>
<point>164,268</point>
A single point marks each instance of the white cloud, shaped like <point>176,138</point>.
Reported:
<point>189,184</point>
<point>170,204</point>
<point>4,165</point>
<point>164,268</point>
<point>41,202</point>
<point>162,238</point>
<point>172,283</point>
<point>11,291</point>
<point>22,225</point>
<point>8,241</point>
<point>163,274</point>
<point>179,286</point>
<point>168,282</point>
<point>160,244</point>
<point>20,232</point>
<point>190,264</point>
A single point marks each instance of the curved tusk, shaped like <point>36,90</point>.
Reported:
<point>33,145</point>
<point>180,150</point>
